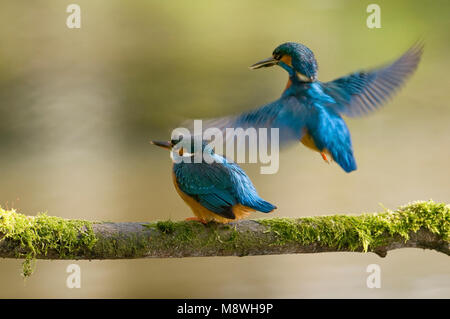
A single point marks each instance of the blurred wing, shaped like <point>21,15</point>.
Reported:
<point>209,184</point>
<point>362,92</point>
<point>287,114</point>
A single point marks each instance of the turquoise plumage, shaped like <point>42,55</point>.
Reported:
<point>216,189</point>
<point>311,111</point>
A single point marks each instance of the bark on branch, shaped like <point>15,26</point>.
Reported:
<point>421,225</point>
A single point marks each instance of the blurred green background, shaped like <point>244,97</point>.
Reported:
<point>78,107</point>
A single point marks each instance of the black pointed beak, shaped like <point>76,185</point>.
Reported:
<point>166,145</point>
<point>264,63</point>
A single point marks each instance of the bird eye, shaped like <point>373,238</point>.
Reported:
<point>176,141</point>
<point>277,56</point>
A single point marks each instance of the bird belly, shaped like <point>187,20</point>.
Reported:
<point>308,141</point>
<point>239,211</point>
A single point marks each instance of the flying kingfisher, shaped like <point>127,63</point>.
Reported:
<point>213,187</point>
<point>311,111</point>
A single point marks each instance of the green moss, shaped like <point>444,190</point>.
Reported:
<point>167,227</point>
<point>194,235</point>
<point>345,232</point>
<point>363,231</point>
<point>181,231</point>
<point>39,234</point>
<point>42,235</point>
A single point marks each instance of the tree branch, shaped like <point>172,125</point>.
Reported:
<point>421,225</point>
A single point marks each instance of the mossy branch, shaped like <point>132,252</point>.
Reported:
<point>420,224</point>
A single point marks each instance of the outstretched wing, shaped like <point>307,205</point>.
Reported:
<point>287,114</point>
<point>362,92</point>
<point>209,184</point>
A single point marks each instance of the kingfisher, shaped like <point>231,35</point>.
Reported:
<point>215,188</point>
<point>310,111</point>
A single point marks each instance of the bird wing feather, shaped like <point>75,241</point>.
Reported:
<point>287,114</point>
<point>209,184</point>
<point>362,92</point>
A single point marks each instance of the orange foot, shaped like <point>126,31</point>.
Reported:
<point>204,222</point>
<point>324,156</point>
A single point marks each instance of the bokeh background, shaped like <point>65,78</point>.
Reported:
<point>79,106</point>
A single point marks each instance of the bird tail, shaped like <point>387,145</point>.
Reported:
<point>346,161</point>
<point>262,206</point>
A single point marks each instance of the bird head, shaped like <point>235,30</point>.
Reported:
<point>186,147</point>
<point>295,58</point>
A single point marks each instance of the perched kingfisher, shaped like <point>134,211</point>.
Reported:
<point>214,188</point>
<point>311,111</point>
